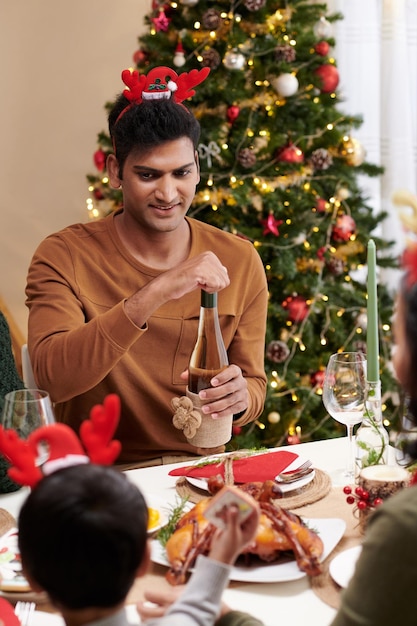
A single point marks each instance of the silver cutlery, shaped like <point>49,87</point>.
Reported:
<point>291,476</point>
<point>25,611</point>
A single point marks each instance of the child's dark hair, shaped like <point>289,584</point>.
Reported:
<point>140,127</point>
<point>82,536</point>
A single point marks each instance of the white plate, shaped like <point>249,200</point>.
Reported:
<point>330,531</point>
<point>159,505</point>
<point>40,618</point>
<point>201,483</point>
<point>343,565</point>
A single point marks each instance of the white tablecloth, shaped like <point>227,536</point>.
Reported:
<point>284,603</point>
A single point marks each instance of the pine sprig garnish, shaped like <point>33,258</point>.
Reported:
<point>176,513</point>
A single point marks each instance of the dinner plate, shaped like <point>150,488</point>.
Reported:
<point>201,483</point>
<point>40,618</point>
<point>330,531</point>
<point>343,565</point>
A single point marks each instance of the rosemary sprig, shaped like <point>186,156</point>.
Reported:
<point>175,515</point>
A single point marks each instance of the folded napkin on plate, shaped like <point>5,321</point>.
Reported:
<point>256,467</point>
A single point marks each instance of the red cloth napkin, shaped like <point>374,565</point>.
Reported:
<point>7,614</point>
<point>257,467</point>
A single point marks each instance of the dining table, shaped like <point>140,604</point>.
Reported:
<point>292,602</point>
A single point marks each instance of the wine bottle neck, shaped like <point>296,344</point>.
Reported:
<point>208,300</point>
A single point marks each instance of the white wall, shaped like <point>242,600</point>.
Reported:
<point>60,61</point>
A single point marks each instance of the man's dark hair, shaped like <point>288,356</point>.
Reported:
<point>147,125</point>
<point>83,534</point>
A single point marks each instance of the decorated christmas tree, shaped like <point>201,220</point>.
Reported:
<point>279,167</point>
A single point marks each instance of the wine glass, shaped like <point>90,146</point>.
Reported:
<point>25,410</point>
<point>344,393</point>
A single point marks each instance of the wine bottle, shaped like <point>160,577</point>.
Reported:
<point>209,356</point>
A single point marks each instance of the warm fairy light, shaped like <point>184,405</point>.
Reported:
<point>105,180</point>
<point>306,245</point>
<point>302,347</point>
<point>213,34</point>
<point>197,25</point>
<point>256,180</point>
<point>257,244</point>
<point>323,341</point>
<point>288,221</point>
<point>294,397</point>
<point>306,186</point>
<point>330,126</point>
<point>359,331</point>
<point>153,31</point>
<point>223,15</point>
<point>233,179</point>
<point>386,327</point>
<point>174,5</point>
<point>332,60</point>
<point>238,18</point>
<point>225,146</point>
<point>316,229</point>
<point>333,95</point>
<point>250,132</point>
<point>340,312</point>
<point>199,58</point>
<point>325,298</point>
<point>267,267</point>
<point>260,425</point>
<point>91,188</point>
<point>316,100</point>
<point>206,196</point>
<point>292,42</point>
<point>250,62</point>
<point>214,207</point>
<point>285,38</point>
<point>274,384</point>
<point>210,181</point>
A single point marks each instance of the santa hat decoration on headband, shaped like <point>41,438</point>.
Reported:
<point>162,82</point>
<point>54,446</point>
<point>403,198</point>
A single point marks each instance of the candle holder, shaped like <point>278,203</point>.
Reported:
<point>372,438</point>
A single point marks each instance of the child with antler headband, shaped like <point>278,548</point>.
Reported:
<point>114,303</point>
<point>83,528</point>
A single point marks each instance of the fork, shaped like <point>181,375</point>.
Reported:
<point>295,474</point>
<point>25,611</point>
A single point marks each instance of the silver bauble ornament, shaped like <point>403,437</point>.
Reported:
<point>285,85</point>
<point>189,3</point>
<point>234,60</point>
<point>322,29</point>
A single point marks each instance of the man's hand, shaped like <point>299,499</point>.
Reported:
<point>228,394</point>
<point>204,271</point>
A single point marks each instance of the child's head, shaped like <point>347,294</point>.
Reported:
<point>142,127</point>
<point>83,536</point>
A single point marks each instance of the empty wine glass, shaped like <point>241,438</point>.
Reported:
<point>344,393</point>
<point>25,410</point>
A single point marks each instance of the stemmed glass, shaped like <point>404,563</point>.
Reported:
<point>25,410</point>
<point>344,393</point>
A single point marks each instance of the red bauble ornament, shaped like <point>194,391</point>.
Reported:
<point>236,430</point>
<point>321,205</point>
<point>290,154</point>
<point>317,379</point>
<point>232,113</point>
<point>97,193</point>
<point>271,225</point>
<point>329,77</point>
<point>100,159</point>
<point>322,48</point>
<point>292,440</point>
<point>344,228</point>
<point>297,308</point>
<point>140,57</point>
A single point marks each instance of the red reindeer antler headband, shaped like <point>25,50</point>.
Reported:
<point>160,83</point>
<point>62,444</point>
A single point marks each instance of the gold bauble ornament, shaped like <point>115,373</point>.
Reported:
<point>274,417</point>
<point>353,151</point>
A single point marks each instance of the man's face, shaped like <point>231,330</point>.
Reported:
<point>159,185</point>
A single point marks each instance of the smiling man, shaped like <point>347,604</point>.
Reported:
<point>114,304</point>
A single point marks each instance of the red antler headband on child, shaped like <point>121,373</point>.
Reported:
<point>63,446</point>
<point>160,83</point>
